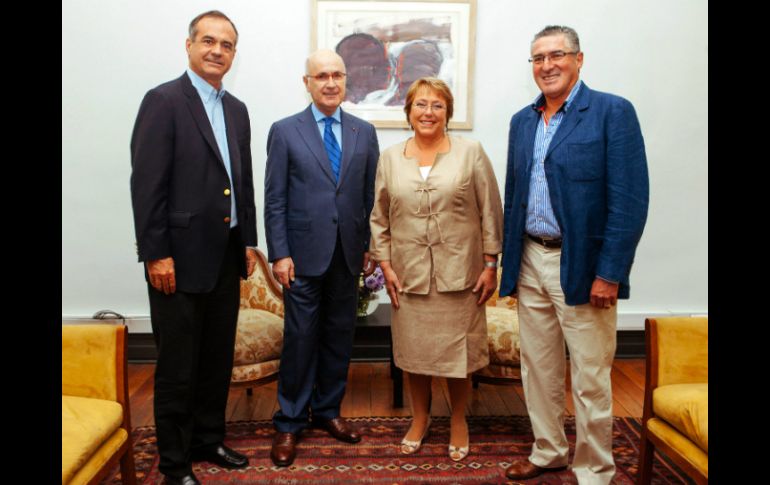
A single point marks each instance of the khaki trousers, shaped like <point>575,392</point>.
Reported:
<point>545,323</point>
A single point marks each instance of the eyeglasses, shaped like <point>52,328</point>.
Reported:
<point>322,77</point>
<point>435,107</point>
<point>554,56</point>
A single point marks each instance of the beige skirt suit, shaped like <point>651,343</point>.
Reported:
<point>434,232</point>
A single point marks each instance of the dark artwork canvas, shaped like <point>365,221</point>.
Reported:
<point>388,45</point>
<point>383,60</point>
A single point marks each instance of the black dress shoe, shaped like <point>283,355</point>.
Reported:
<point>190,479</point>
<point>222,456</point>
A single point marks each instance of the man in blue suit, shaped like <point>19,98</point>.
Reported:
<point>576,197</point>
<point>319,191</point>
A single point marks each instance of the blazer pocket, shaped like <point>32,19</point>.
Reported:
<point>586,160</point>
<point>179,219</point>
<point>298,224</point>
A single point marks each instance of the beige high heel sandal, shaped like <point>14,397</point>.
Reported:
<point>409,447</point>
<point>458,453</point>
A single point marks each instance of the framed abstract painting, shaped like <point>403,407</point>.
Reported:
<point>387,44</point>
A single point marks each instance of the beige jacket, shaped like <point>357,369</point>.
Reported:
<point>444,224</point>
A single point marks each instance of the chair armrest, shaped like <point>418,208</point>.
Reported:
<point>261,290</point>
<point>679,349</point>
<point>496,300</point>
<point>93,361</point>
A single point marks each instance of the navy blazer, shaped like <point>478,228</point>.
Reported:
<point>596,170</point>
<point>178,183</point>
<point>304,206</point>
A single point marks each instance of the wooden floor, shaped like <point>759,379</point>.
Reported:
<point>369,394</point>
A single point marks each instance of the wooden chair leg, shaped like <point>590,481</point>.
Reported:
<point>646,454</point>
<point>127,469</point>
<point>397,376</point>
<point>398,387</point>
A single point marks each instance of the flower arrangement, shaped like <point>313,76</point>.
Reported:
<point>367,288</point>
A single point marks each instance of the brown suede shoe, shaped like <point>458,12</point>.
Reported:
<point>524,469</point>
<point>339,428</point>
<point>284,449</point>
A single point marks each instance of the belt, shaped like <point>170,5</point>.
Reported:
<point>548,243</point>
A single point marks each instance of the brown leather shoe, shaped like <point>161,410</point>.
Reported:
<point>524,469</point>
<point>284,448</point>
<point>339,428</point>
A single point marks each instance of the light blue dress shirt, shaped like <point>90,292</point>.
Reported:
<point>212,103</point>
<point>336,126</point>
<point>541,220</point>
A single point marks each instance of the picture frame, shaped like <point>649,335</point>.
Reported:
<point>387,44</point>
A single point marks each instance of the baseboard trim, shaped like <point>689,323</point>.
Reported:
<point>141,348</point>
<point>370,348</point>
<point>630,344</point>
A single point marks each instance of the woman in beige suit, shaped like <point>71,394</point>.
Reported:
<point>436,233</point>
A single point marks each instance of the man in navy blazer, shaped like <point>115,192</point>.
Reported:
<point>576,197</point>
<point>195,221</point>
<point>319,191</point>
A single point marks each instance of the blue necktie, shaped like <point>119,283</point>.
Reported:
<point>332,148</point>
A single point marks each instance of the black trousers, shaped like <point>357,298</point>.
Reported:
<point>319,322</point>
<point>195,338</point>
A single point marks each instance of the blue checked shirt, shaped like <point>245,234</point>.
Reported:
<point>540,218</point>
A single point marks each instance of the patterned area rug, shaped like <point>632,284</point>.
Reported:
<point>495,440</point>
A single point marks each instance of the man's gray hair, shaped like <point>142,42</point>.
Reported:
<point>193,30</point>
<point>569,33</point>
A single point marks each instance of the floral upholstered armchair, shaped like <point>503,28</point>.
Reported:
<point>503,339</point>
<point>259,337</point>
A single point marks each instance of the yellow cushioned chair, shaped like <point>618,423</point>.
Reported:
<point>96,422</point>
<point>259,337</point>
<point>676,408</point>
<point>503,340</point>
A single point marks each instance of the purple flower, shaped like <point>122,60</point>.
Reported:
<point>375,281</point>
<point>367,287</point>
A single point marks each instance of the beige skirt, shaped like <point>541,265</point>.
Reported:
<point>440,334</point>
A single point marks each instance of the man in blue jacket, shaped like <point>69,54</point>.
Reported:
<point>576,197</point>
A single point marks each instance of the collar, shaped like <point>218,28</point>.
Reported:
<point>539,103</point>
<point>205,89</point>
<point>337,115</point>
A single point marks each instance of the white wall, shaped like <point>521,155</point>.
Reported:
<point>653,53</point>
